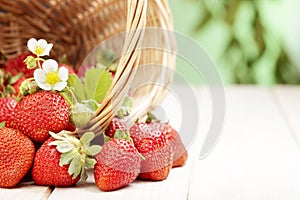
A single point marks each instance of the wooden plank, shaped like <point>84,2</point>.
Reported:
<point>256,158</point>
<point>177,181</point>
<point>26,192</point>
<point>288,99</point>
<point>175,187</point>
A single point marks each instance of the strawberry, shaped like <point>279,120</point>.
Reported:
<point>118,164</point>
<point>70,127</point>
<point>115,124</point>
<point>17,65</point>
<point>37,114</point>
<point>68,67</point>
<point>10,84</point>
<point>64,164</point>
<point>6,111</point>
<point>28,176</point>
<point>180,153</point>
<point>152,144</point>
<point>17,85</point>
<point>82,70</point>
<point>46,169</point>
<point>17,153</point>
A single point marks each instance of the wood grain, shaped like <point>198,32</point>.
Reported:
<point>26,192</point>
<point>256,158</point>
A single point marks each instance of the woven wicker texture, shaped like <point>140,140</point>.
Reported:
<point>75,27</point>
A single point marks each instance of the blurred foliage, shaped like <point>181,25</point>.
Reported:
<point>250,44</point>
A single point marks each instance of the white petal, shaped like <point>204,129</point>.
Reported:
<point>31,44</point>
<point>50,65</point>
<point>63,73</point>
<point>59,86</point>
<point>45,86</point>
<point>42,43</point>
<point>48,49</point>
<point>39,76</point>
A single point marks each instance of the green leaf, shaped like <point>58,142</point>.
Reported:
<point>68,97</point>
<point>78,88</point>
<point>71,80</point>
<point>15,78</point>
<point>93,150</point>
<point>92,77</point>
<point>97,82</point>
<point>87,138</point>
<point>103,86</point>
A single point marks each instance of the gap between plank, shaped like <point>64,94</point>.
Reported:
<point>284,115</point>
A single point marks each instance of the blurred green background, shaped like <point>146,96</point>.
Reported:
<point>251,41</point>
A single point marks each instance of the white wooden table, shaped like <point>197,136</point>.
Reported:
<point>257,157</point>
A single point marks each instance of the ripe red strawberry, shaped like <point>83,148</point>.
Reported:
<point>118,164</point>
<point>17,65</point>
<point>180,153</point>
<point>46,169</point>
<point>70,127</point>
<point>17,85</point>
<point>17,152</point>
<point>152,144</point>
<point>115,124</point>
<point>37,114</point>
<point>7,106</point>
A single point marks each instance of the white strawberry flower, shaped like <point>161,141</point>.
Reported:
<point>39,47</point>
<point>50,77</point>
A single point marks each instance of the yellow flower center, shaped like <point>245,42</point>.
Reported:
<point>52,78</point>
<point>39,50</point>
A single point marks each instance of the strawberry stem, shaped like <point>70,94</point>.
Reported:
<point>69,96</point>
<point>38,59</point>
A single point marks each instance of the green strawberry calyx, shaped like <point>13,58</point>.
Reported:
<point>125,109</point>
<point>107,59</point>
<point>82,113</point>
<point>125,135</point>
<point>151,118</point>
<point>28,86</point>
<point>77,153</point>
<point>2,124</point>
<point>7,80</point>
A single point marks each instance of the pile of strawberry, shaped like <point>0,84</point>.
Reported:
<point>40,111</point>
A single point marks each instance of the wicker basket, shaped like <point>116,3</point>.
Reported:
<point>75,27</point>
